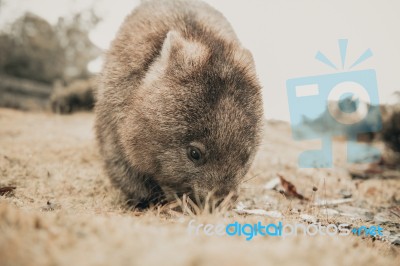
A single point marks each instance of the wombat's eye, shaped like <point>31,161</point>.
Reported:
<point>194,154</point>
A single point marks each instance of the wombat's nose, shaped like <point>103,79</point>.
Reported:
<point>221,193</point>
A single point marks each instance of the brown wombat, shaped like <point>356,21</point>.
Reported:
<point>179,107</point>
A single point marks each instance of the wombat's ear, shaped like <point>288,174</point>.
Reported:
<point>182,51</point>
<point>172,38</point>
<point>172,41</point>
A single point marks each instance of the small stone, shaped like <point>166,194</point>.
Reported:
<point>51,206</point>
<point>346,194</point>
<point>308,218</point>
<point>329,212</point>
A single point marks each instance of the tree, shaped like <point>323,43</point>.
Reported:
<point>79,50</point>
<point>33,49</point>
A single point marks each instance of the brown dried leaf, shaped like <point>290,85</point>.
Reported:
<point>6,190</point>
<point>371,191</point>
<point>374,168</point>
<point>290,189</point>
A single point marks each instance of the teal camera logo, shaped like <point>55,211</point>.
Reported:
<point>344,103</point>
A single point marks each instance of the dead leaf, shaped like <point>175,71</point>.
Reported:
<point>289,189</point>
<point>325,202</point>
<point>371,191</point>
<point>261,212</point>
<point>374,168</point>
<point>6,190</point>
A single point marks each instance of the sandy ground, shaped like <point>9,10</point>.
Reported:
<point>65,212</point>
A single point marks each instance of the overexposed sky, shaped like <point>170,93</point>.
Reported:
<point>283,36</point>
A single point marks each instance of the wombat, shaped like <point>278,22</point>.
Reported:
<point>179,108</point>
<point>74,97</point>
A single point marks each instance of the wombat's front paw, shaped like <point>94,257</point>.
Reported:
<point>142,204</point>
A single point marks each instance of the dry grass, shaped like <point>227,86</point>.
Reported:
<point>54,158</point>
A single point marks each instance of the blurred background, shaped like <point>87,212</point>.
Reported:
<point>47,46</point>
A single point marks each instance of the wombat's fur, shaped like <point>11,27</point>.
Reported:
<point>176,82</point>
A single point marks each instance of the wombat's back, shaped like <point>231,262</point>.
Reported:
<point>141,36</point>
